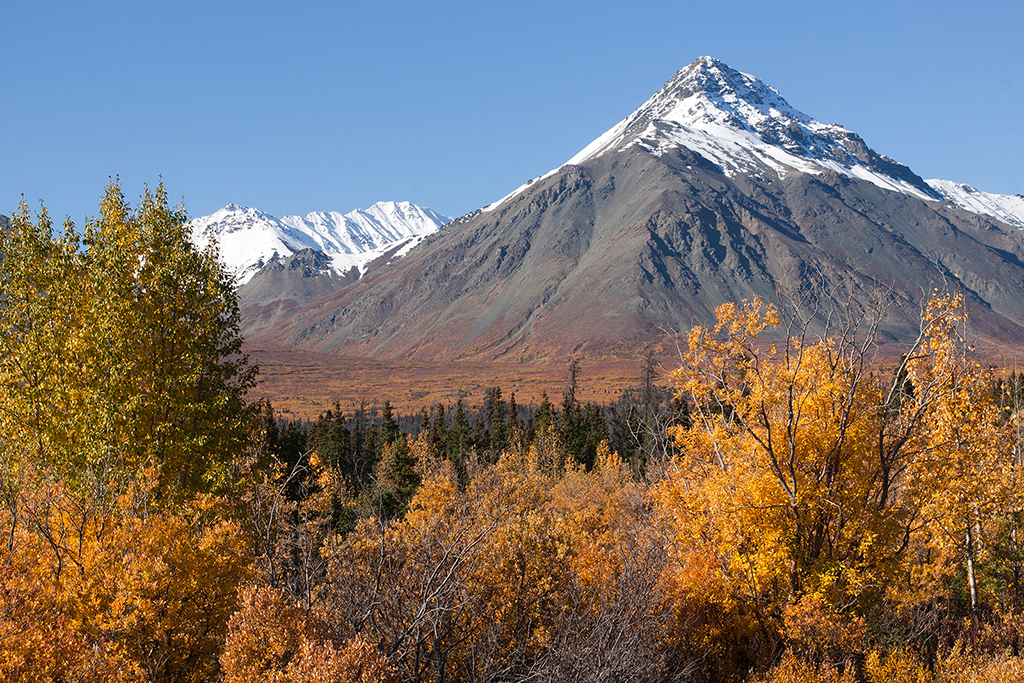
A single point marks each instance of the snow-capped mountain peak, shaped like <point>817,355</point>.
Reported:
<point>745,127</point>
<point>706,93</point>
<point>230,219</point>
<point>248,238</point>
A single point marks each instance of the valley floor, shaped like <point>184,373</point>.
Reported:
<point>303,384</point>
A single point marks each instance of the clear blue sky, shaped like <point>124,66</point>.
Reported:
<point>312,106</point>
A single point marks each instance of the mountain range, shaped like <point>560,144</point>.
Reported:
<point>249,239</point>
<point>714,190</point>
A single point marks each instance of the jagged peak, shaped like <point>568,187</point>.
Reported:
<point>744,126</point>
<point>238,210</point>
<point>248,237</point>
<point>725,86</point>
<point>390,204</point>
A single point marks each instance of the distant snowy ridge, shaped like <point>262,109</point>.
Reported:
<point>1009,208</point>
<point>249,238</point>
<point>745,127</point>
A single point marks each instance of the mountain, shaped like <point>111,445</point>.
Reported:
<point>250,238</point>
<point>714,190</point>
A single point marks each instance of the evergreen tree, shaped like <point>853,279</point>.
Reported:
<point>545,412</point>
<point>332,440</point>
<point>515,425</point>
<point>457,440</point>
<point>363,447</point>
<point>439,429</point>
<point>397,475</point>
<point>574,425</point>
<point>496,412</point>
<point>389,431</point>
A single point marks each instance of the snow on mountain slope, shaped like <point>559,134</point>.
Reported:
<point>249,238</point>
<point>1009,208</point>
<point>744,126</point>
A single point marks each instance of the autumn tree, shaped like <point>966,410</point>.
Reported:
<point>965,479</point>
<point>121,348</point>
<point>803,475</point>
<point>121,408</point>
<point>271,639</point>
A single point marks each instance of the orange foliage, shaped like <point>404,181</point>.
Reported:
<point>271,640</point>
<point>113,596</point>
<point>808,490</point>
<point>496,575</point>
<point>821,635</point>
<point>792,669</point>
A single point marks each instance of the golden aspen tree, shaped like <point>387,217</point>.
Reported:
<point>963,477</point>
<point>43,402</point>
<point>798,475</point>
<point>121,348</point>
<point>121,387</point>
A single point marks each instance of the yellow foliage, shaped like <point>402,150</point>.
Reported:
<point>963,666</point>
<point>900,666</point>
<point>590,509</point>
<point>803,474</point>
<point>119,350</point>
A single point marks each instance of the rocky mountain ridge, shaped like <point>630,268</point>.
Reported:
<point>1008,208</point>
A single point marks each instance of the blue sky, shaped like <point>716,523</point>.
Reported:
<point>316,106</point>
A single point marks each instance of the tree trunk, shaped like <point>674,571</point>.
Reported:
<point>970,570</point>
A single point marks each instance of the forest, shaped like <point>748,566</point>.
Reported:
<point>770,511</point>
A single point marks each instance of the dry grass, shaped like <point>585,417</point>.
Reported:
<point>303,384</point>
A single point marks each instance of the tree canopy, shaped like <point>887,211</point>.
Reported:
<point>121,349</point>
